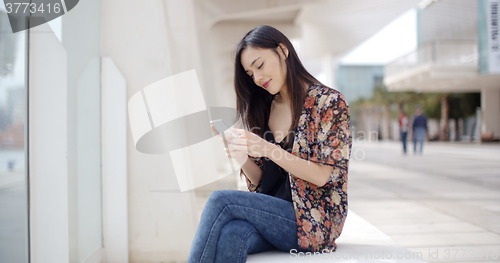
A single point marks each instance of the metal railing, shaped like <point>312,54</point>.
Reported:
<point>437,53</point>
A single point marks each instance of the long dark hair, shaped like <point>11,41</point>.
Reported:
<point>252,100</point>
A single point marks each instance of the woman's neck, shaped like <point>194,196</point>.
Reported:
<point>282,96</point>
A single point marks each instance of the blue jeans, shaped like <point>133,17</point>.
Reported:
<point>403,139</point>
<point>236,223</point>
<point>419,133</point>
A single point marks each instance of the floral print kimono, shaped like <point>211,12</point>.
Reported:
<point>323,136</point>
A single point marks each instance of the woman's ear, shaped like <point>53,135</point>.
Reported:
<point>284,50</point>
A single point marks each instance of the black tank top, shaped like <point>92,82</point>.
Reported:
<point>275,180</point>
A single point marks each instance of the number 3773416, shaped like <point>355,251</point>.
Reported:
<point>41,8</point>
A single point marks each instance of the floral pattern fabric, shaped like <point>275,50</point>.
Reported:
<point>323,136</point>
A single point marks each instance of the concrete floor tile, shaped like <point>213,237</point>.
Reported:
<point>406,229</point>
<point>392,221</point>
<point>451,239</point>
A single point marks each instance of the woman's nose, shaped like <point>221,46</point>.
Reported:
<point>258,79</point>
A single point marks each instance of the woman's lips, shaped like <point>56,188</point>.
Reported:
<point>266,84</point>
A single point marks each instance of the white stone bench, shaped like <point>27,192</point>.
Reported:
<point>359,241</point>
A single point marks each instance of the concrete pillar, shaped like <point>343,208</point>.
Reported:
<point>490,106</point>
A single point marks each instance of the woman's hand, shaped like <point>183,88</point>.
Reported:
<point>237,147</point>
<point>256,146</point>
<point>248,144</point>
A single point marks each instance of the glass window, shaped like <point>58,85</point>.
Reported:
<point>13,177</point>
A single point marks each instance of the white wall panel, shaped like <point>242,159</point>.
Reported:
<point>48,180</point>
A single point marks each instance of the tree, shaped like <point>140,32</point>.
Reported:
<point>434,105</point>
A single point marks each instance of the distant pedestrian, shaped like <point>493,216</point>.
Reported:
<point>403,128</point>
<point>10,164</point>
<point>419,129</point>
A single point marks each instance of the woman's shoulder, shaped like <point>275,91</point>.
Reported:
<point>325,95</point>
<point>317,89</point>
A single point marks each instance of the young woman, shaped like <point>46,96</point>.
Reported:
<point>297,155</point>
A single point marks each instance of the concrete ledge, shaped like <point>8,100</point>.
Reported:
<point>360,241</point>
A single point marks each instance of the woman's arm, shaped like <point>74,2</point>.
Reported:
<point>312,172</point>
<point>331,152</point>
<point>252,171</point>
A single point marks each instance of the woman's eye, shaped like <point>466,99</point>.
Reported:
<point>261,65</point>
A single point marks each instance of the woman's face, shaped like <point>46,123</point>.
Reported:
<point>263,65</point>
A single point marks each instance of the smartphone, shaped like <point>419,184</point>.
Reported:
<point>220,126</point>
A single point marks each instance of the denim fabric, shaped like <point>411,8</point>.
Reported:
<point>236,223</point>
<point>403,139</point>
<point>419,134</point>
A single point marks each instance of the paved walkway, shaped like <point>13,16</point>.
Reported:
<point>444,203</point>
